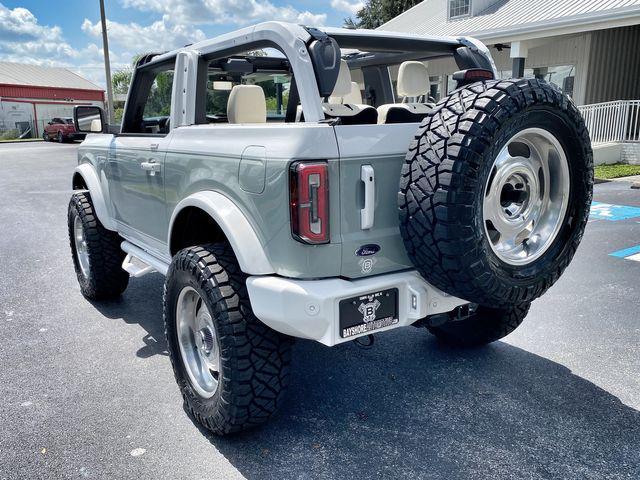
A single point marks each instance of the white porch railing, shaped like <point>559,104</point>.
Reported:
<point>611,122</point>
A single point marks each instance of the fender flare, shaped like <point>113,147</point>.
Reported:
<point>91,180</point>
<point>243,239</point>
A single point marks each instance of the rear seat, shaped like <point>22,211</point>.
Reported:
<point>413,82</point>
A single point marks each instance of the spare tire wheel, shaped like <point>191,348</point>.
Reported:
<point>495,191</point>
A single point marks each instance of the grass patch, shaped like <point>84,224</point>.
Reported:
<point>617,170</point>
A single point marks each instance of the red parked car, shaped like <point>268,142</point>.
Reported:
<point>61,129</point>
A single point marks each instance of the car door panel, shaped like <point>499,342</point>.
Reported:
<point>136,171</point>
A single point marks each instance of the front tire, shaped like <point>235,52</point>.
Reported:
<point>232,370</point>
<point>97,256</point>
<point>484,325</point>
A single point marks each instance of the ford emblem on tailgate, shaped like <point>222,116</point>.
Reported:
<point>366,250</point>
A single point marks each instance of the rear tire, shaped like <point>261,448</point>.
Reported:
<point>461,178</point>
<point>232,370</point>
<point>60,137</point>
<point>484,326</point>
<point>97,256</point>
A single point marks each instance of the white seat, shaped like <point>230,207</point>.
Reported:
<point>413,81</point>
<point>96,125</point>
<point>354,96</point>
<point>340,106</point>
<point>247,104</point>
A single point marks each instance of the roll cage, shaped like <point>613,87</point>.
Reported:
<point>312,55</point>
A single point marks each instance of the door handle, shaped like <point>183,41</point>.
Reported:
<point>367,175</point>
<point>151,166</point>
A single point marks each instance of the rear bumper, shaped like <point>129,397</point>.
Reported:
<point>76,136</point>
<point>310,308</point>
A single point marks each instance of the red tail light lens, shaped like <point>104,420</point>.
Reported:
<point>465,77</point>
<point>309,201</point>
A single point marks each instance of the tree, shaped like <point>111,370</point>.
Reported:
<point>378,12</point>
<point>121,80</point>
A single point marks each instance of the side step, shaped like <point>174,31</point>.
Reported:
<point>139,263</point>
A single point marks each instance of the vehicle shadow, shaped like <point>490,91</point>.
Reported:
<point>412,408</point>
<point>141,304</point>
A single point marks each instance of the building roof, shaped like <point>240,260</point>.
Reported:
<point>515,18</point>
<point>39,76</point>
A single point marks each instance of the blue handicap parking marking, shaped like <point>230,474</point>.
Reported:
<point>608,211</point>
<point>631,253</point>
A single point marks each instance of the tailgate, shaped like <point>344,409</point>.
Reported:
<point>383,147</point>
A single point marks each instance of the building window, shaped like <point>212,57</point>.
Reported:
<point>459,8</point>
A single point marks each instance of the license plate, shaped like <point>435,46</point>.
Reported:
<point>369,312</point>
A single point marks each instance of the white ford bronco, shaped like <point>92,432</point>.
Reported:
<point>299,182</point>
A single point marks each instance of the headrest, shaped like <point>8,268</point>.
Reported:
<point>96,125</point>
<point>343,84</point>
<point>247,105</point>
<point>354,97</point>
<point>413,79</point>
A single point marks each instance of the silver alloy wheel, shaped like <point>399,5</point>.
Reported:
<point>82,251</point>
<point>198,342</point>
<point>526,196</point>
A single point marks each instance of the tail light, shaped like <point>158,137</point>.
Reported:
<point>472,75</point>
<point>309,201</point>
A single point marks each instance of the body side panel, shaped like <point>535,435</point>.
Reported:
<point>92,165</point>
<point>208,158</point>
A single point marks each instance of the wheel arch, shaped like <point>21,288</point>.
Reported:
<point>86,178</point>
<point>223,221</point>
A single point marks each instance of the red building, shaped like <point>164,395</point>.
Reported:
<point>31,95</point>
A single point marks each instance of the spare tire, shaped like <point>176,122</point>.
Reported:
<point>495,191</point>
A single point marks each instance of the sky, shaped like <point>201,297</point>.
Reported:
<point>67,33</point>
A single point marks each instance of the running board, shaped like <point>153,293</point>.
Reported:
<point>138,262</point>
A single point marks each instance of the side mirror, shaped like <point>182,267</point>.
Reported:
<point>89,119</point>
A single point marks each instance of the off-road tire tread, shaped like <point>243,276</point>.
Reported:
<point>486,325</point>
<point>255,359</point>
<point>436,200</point>
<point>107,279</point>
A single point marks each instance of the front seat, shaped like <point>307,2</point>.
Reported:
<point>413,82</point>
<point>354,96</point>
<point>247,104</point>
<point>348,113</point>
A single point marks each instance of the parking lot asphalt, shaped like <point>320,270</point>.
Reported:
<point>88,392</point>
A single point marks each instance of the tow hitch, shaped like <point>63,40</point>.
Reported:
<point>458,314</point>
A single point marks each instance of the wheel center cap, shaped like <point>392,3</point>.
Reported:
<point>204,339</point>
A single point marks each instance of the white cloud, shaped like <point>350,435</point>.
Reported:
<point>346,6</point>
<point>20,24</point>
<point>160,35</point>
<point>23,39</point>
<point>175,23</point>
<point>238,12</point>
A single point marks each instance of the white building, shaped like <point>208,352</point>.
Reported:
<point>589,48</point>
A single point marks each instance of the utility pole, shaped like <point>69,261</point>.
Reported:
<point>107,65</point>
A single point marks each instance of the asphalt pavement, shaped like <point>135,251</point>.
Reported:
<point>88,392</point>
